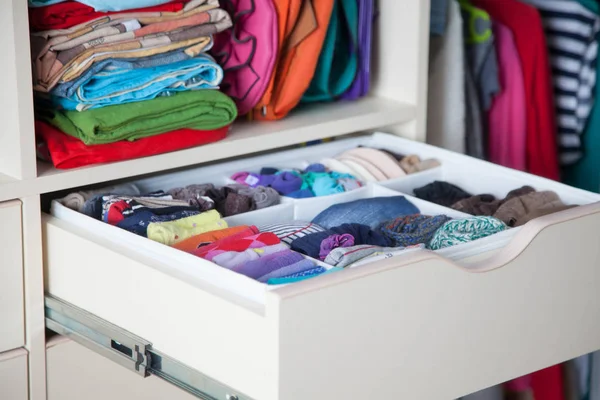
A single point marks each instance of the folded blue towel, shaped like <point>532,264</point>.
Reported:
<point>119,84</point>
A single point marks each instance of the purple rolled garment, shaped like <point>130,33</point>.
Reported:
<point>257,268</point>
<point>286,182</point>
<point>360,86</point>
<point>295,268</point>
<point>252,179</point>
<point>233,259</point>
<point>335,241</point>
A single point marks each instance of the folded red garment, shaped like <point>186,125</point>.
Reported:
<point>68,152</point>
<point>71,13</point>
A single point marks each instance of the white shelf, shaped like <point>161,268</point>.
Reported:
<point>311,123</point>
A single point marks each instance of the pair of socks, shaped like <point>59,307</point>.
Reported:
<point>361,234</point>
<point>465,230</point>
<point>195,242</point>
<point>378,165</point>
<point>487,204</point>
<point>116,208</point>
<point>442,193</point>
<point>413,229</point>
<point>412,164</point>
<point>343,257</point>
<point>301,276</point>
<point>288,232</point>
<point>237,243</point>
<point>265,265</point>
<point>171,232</point>
<point>520,209</point>
<point>333,242</point>
<point>294,269</point>
<point>76,201</point>
<point>195,195</point>
<point>284,182</point>
<point>235,259</point>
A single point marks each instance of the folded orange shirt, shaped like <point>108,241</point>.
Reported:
<point>302,29</point>
<point>195,242</point>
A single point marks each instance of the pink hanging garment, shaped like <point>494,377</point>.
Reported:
<point>507,117</point>
<point>248,51</point>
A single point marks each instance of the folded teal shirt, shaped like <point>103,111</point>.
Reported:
<point>105,5</point>
<point>117,85</point>
<point>338,61</point>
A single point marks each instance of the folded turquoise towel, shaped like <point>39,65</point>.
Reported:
<point>116,85</point>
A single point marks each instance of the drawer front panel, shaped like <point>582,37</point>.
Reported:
<point>13,375</point>
<point>429,329</point>
<point>12,327</point>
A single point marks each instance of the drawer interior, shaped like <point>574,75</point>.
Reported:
<point>472,175</point>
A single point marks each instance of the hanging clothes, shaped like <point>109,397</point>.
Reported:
<point>491,393</point>
<point>439,16</point>
<point>571,31</point>
<point>507,120</point>
<point>585,174</point>
<point>526,25</point>
<point>446,89</point>
<point>481,75</point>
<point>547,384</point>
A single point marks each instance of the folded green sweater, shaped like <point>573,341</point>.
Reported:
<point>199,109</point>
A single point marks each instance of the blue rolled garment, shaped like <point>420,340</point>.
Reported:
<point>105,5</point>
<point>119,84</point>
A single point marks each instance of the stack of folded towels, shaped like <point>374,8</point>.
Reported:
<point>113,83</point>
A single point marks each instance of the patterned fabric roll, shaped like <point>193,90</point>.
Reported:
<point>413,229</point>
<point>465,230</point>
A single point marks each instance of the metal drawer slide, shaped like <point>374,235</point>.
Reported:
<point>130,351</point>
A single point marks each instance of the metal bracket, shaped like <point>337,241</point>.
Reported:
<point>100,336</point>
<point>130,351</point>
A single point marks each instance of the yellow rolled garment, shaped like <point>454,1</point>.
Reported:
<point>172,232</point>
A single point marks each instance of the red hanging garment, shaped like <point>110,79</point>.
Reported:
<point>526,25</point>
<point>547,384</point>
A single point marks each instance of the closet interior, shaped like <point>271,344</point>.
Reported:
<point>222,195</point>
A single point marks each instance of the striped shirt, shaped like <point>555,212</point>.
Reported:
<point>291,231</point>
<point>571,32</point>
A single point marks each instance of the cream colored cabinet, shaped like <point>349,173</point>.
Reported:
<point>13,375</point>
<point>12,325</point>
<point>98,378</point>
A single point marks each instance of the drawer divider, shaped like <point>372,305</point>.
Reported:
<point>130,351</point>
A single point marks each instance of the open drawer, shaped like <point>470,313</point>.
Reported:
<point>421,325</point>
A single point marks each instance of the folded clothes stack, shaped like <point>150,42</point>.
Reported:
<point>123,76</point>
